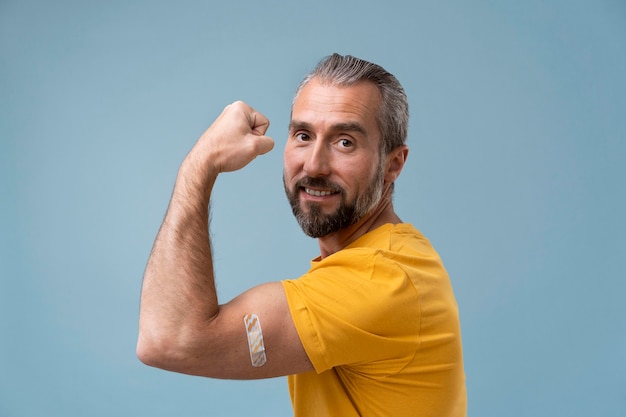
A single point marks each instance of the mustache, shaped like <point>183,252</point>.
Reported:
<point>310,182</point>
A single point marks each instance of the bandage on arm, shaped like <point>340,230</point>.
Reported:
<point>255,340</point>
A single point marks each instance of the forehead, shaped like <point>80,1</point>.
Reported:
<point>323,104</point>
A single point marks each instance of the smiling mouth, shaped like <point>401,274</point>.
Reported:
<point>317,193</point>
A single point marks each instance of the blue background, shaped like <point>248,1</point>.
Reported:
<point>516,174</point>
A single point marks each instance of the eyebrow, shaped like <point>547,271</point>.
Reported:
<point>343,127</point>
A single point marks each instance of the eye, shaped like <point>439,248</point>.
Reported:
<point>302,137</point>
<point>345,143</point>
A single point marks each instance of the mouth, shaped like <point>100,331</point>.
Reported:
<point>316,190</point>
<point>317,193</point>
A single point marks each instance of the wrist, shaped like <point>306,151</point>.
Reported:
<point>195,180</point>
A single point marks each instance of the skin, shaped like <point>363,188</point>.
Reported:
<point>182,326</point>
<point>333,135</point>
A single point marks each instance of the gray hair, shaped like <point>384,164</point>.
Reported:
<point>393,115</point>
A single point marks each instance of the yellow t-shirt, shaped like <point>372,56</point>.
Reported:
<point>380,325</point>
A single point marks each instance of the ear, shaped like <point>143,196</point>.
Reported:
<point>395,162</point>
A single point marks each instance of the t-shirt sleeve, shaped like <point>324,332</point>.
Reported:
<point>355,308</point>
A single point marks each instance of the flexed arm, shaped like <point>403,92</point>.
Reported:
<point>182,326</point>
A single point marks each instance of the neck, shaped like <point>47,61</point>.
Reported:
<point>382,213</point>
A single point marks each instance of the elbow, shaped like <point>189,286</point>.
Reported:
<point>155,345</point>
<point>169,352</point>
<point>156,350</point>
<point>149,352</point>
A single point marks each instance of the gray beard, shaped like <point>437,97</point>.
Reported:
<point>315,223</point>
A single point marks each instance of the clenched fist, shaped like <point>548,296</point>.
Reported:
<point>235,138</point>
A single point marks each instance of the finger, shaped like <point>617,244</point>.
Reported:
<point>258,122</point>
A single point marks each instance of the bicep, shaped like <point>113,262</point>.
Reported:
<point>225,352</point>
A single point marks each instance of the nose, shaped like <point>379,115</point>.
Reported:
<point>318,160</point>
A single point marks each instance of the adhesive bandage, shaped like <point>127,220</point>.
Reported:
<point>255,340</point>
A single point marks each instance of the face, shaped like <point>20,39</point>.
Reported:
<point>333,172</point>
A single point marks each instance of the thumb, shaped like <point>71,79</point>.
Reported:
<point>264,144</point>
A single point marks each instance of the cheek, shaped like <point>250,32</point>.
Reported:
<point>289,167</point>
<point>355,180</point>
<point>292,161</point>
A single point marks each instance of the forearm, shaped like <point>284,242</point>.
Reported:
<point>178,297</point>
<point>181,325</point>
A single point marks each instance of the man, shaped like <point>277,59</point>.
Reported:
<point>372,329</point>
